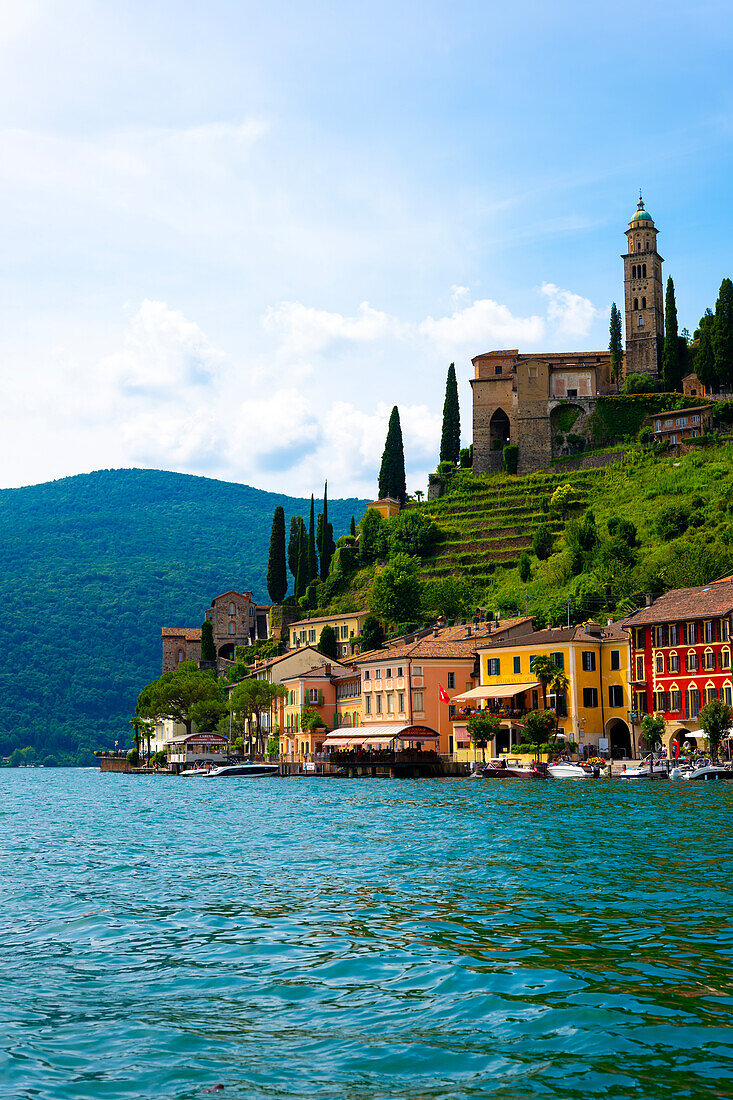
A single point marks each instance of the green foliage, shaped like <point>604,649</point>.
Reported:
<point>207,713</point>
<point>352,528</point>
<point>525,566</point>
<point>510,458</point>
<point>563,499</point>
<point>208,649</point>
<point>311,720</point>
<point>539,726</point>
<point>615,345</point>
<point>272,747</point>
<point>483,727</point>
<point>639,383</point>
<point>395,595</point>
<point>587,532</point>
<point>466,457</point>
<point>411,532</point>
<point>623,529</point>
<point>372,536</point>
<point>576,443</point>
<point>133,758</point>
<point>723,333</point>
<point>450,443</point>
<point>673,521</point>
<point>704,356</point>
<point>671,364</point>
<point>312,560</point>
<point>392,472</point>
<point>372,634</point>
<point>716,719</point>
<point>652,729</point>
<point>452,597</point>
<point>297,528</point>
<point>324,536</point>
<point>542,542</point>
<point>277,573</point>
<point>564,417</point>
<point>621,417</point>
<point>327,644</point>
<point>179,695</point>
<point>159,759</point>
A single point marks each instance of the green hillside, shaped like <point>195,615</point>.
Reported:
<point>93,566</point>
<point>670,527</point>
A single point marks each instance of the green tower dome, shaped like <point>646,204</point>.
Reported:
<point>641,214</point>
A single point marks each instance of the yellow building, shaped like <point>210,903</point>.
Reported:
<point>386,506</point>
<point>346,627</point>
<point>595,709</point>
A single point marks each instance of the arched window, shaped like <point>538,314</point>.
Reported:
<point>180,656</point>
<point>643,268</point>
<point>636,303</point>
<point>643,303</point>
<point>641,320</point>
<point>633,271</point>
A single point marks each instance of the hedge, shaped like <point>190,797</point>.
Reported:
<point>622,416</point>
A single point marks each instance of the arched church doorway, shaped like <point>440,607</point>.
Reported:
<point>227,651</point>
<point>499,430</point>
<point>619,737</point>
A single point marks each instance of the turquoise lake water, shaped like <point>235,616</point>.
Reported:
<point>363,939</point>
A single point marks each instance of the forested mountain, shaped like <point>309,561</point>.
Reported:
<point>92,566</point>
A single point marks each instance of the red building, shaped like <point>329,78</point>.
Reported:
<point>681,655</point>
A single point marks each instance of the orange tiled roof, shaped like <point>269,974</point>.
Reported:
<point>708,600</point>
<point>190,633</point>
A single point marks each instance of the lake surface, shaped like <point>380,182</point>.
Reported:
<point>363,939</point>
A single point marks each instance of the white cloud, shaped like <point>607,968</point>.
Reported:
<point>162,351</point>
<point>482,324</point>
<point>305,330</point>
<point>572,314</point>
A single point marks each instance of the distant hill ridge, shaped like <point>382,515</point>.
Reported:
<point>93,566</point>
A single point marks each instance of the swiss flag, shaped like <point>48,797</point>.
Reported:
<point>443,694</point>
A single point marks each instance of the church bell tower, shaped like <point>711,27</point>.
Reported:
<point>643,296</point>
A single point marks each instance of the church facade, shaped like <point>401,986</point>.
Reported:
<point>537,400</point>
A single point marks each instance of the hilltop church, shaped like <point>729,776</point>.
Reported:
<point>534,400</point>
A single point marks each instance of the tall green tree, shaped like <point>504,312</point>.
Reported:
<point>176,694</point>
<point>395,595</point>
<point>450,441</point>
<point>296,525</point>
<point>312,566</point>
<point>671,366</point>
<point>301,574</point>
<point>326,545</point>
<point>704,360</point>
<point>352,528</point>
<point>277,573</point>
<point>716,719</point>
<point>208,649</point>
<point>615,345</point>
<point>723,334</point>
<point>327,644</point>
<point>392,473</point>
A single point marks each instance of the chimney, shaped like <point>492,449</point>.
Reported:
<point>327,670</point>
<point>609,622</point>
<point>593,628</point>
<point>649,599</point>
<point>436,633</point>
<point>469,631</point>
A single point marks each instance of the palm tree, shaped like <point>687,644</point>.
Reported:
<point>136,723</point>
<point>545,670</point>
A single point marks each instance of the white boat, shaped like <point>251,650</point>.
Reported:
<point>568,771</point>
<point>707,772</point>
<point>198,772</point>
<point>646,771</point>
<point>248,770</point>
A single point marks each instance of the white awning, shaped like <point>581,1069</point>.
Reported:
<point>379,735</point>
<point>499,691</point>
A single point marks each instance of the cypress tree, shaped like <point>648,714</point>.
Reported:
<point>450,442</point>
<point>301,576</point>
<point>208,649</point>
<point>704,361</point>
<point>352,529</point>
<point>312,563</point>
<point>723,334</point>
<point>615,345</point>
<point>325,536</point>
<point>296,523</point>
<point>392,473</point>
<point>671,367</point>
<point>277,573</point>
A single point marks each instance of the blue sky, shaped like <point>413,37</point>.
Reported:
<point>234,234</point>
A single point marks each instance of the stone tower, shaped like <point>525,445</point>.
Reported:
<point>643,296</point>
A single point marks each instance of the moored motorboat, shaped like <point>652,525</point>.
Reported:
<point>499,769</point>
<point>648,769</point>
<point>707,772</point>
<point>563,769</point>
<point>248,770</point>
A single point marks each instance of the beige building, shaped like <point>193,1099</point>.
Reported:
<point>307,632</point>
<point>643,295</point>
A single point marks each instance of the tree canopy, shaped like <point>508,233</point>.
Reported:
<point>176,694</point>
<point>208,649</point>
<point>327,644</point>
<point>450,442</point>
<point>396,592</point>
<point>392,481</point>
<point>277,574</point>
<point>615,345</point>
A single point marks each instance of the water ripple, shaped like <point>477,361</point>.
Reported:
<point>361,940</point>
